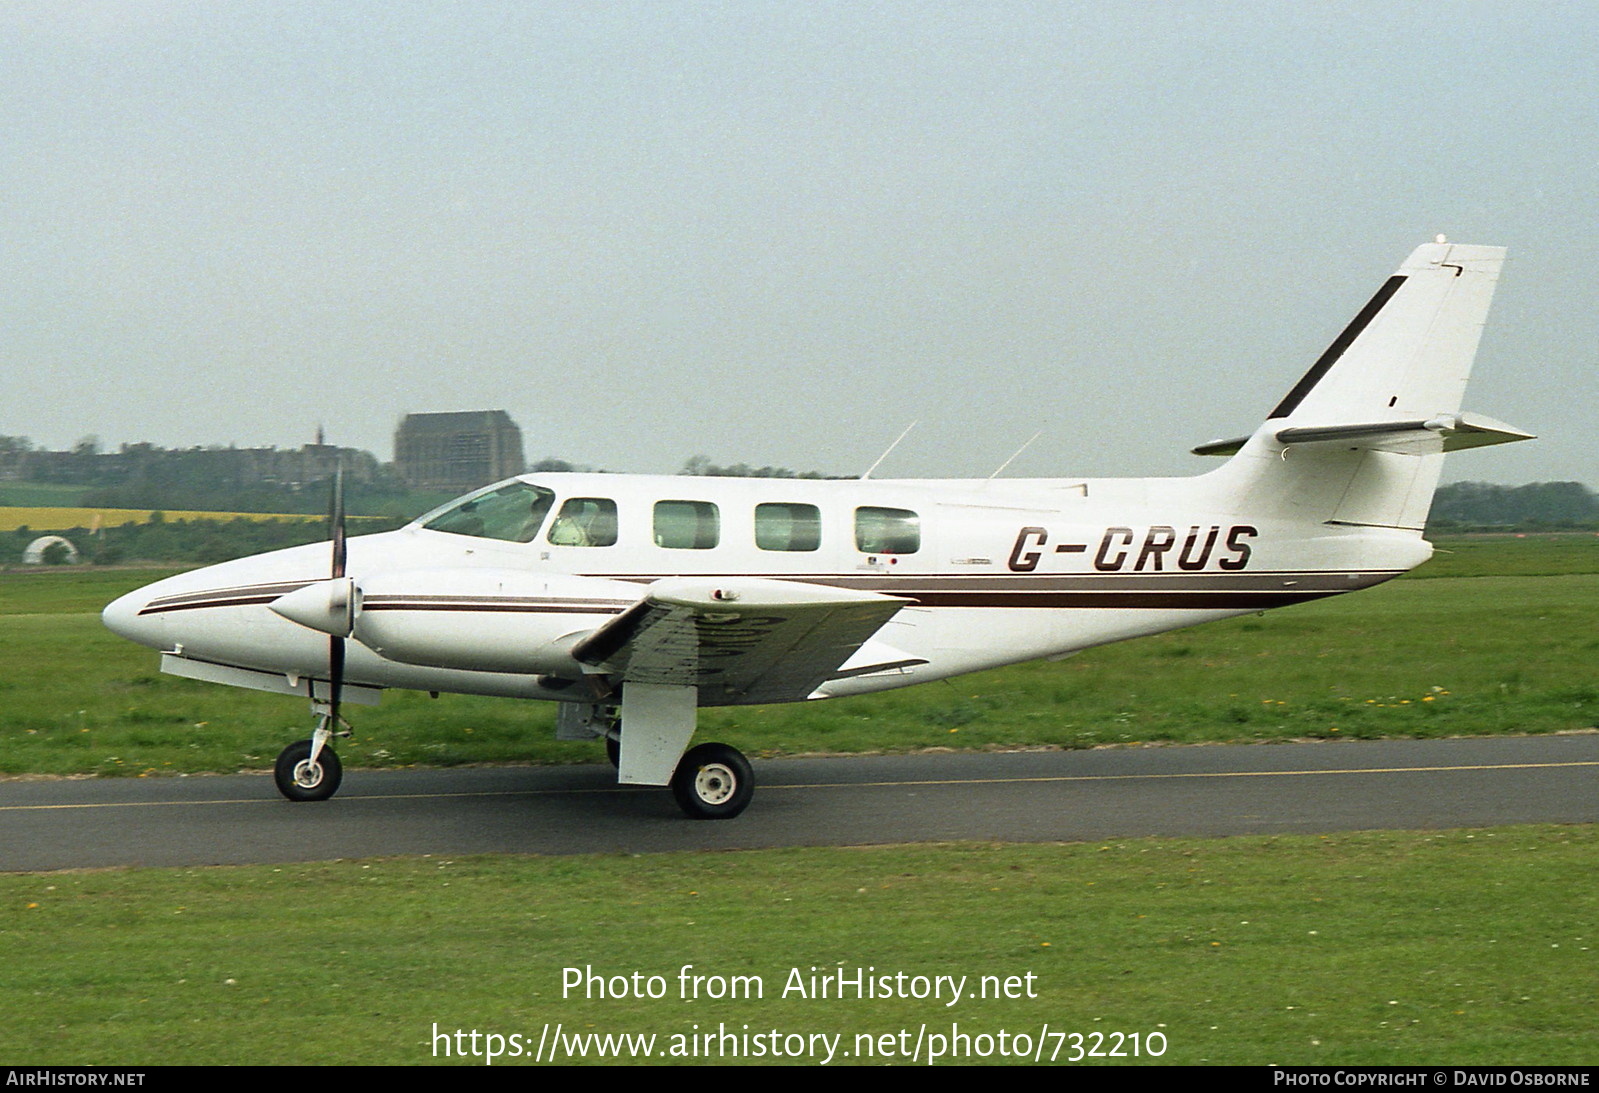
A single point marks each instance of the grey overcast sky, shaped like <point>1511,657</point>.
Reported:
<point>778,232</point>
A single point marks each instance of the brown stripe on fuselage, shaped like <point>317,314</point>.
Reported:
<point>239,596</point>
<point>489,603</point>
<point>1174,591</point>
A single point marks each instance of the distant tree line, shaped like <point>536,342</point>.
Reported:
<point>200,541</point>
<point>1465,506</point>
<point>380,497</point>
<point>215,478</point>
<point>701,465</point>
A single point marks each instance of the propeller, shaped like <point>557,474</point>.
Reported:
<point>330,721</point>
<point>340,552</point>
<point>312,773</point>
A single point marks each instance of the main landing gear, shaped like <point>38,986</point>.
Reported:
<point>713,782</point>
<point>709,782</point>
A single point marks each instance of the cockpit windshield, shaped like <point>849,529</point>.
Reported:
<point>512,512</point>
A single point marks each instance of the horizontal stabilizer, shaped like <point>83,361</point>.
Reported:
<point>1444,433</point>
<point>1430,436</point>
<point>1221,447</point>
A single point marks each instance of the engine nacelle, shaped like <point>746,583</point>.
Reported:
<point>484,620</point>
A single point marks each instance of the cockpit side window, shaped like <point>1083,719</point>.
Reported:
<point>512,512</point>
<point>887,531</point>
<point>584,521</point>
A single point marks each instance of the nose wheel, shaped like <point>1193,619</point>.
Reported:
<point>308,770</point>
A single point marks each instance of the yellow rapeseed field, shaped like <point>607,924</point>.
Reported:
<point>51,518</point>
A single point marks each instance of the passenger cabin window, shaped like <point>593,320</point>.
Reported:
<point>584,521</point>
<point>687,525</point>
<point>887,531</point>
<point>512,512</point>
<point>788,527</point>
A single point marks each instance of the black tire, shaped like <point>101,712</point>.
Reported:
<point>613,750</point>
<point>713,782</point>
<point>315,784</point>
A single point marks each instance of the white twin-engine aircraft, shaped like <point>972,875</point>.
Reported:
<point>634,600</point>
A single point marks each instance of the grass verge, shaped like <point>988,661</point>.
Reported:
<point>1458,947</point>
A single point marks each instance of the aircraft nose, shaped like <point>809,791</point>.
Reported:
<point>122,617</point>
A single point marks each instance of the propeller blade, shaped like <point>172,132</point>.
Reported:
<point>336,678</point>
<point>340,551</point>
<point>336,519</point>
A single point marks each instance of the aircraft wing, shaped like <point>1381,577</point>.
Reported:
<point>740,640</point>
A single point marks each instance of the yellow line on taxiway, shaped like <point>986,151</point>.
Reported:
<point>834,785</point>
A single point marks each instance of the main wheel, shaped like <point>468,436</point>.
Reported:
<point>301,780</point>
<point>613,750</point>
<point>713,782</point>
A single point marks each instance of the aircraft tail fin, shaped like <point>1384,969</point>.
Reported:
<point>1360,439</point>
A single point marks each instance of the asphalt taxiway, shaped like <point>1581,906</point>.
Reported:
<point>1034,796</point>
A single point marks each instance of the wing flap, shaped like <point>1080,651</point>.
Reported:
<point>740,639</point>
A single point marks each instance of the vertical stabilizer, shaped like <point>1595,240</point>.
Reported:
<point>1359,440</point>
<point>1408,353</point>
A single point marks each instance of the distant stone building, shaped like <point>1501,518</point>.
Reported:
<point>457,451</point>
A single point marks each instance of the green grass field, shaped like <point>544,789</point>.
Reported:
<point>1511,554</point>
<point>1440,948</point>
<point>40,493</point>
<point>1457,947</point>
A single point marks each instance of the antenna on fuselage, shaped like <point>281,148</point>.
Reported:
<point>1014,454</point>
<point>891,447</point>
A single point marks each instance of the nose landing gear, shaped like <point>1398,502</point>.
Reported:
<point>309,770</point>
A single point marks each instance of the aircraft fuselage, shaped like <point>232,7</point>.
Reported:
<point>992,573</point>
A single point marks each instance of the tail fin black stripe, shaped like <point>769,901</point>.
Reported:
<point>1336,349</point>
